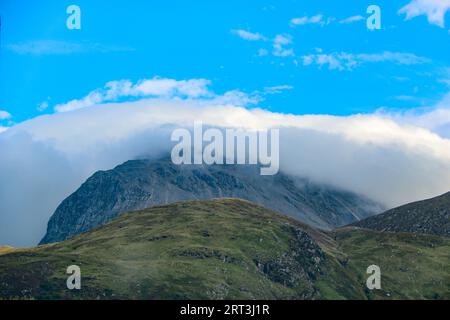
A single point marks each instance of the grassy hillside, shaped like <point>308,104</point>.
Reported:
<point>412,266</point>
<point>5,249</point>
<point>226,249</point>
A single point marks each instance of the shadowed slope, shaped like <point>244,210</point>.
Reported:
<point>431,216</point>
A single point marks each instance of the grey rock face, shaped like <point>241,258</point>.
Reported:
<point>431,216</point>
<point>139,184</point>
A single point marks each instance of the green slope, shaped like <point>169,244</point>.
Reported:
<point>413,266</point>
<point>226,249</point>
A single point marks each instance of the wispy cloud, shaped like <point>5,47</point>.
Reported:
<point>159,88</point>
<point>351,19</point>
<point>405,98</point>
<point>42,106</point>
<point>277,89</point>
<point>263,52</point>
<point>347,61</point>
<point>247,35</point>
<point>155,87</point>
<point>281,46</point>
<point>164,88</point>
<point>444,76</point>
<point>4,115</point>
<point>435,10</point>
<point>317,19</point>
<point>435,118</point>
<point>55,47</point>
<point>280,43</point>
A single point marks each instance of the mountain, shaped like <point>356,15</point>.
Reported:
<point>430,216</point>
<point>139,184</point>
<point>227,249</point>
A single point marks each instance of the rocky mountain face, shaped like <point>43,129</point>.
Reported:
<point>140,184</point>
<point>430,216</point>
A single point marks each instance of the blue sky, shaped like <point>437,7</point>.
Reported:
<point>319,64</point>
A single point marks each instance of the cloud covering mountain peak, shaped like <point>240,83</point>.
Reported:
<point>391,158</point>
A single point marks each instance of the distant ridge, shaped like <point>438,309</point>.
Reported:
<point>431,216</point>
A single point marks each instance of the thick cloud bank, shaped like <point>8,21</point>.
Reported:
<point>45,159</point>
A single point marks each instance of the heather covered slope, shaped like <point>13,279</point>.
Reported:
<point>431,216</point>
<point>195,250</point>
<point>140,184</point>
<point>5,249</point>
<point>413,266</point>
<point>227,249</point>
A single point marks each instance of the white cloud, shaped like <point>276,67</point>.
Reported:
<point>352,19</point>
<point>155,87</point>
<point>193,88</point>
<point>4,115</point>
<point>281,45</point>
<point>348,61</point>
<point>165,88</point>
<point>247,35</point>
<point>95,97</point>
<point>42,106</point>
<point>277,89</point>
<point>235,98</point>
<point>434,118</point>
<point>317,19</point>
<point>435,10</point>
<point>56,47</point>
